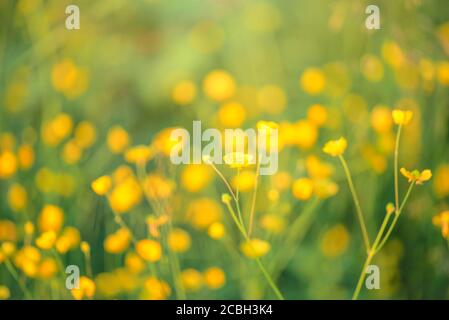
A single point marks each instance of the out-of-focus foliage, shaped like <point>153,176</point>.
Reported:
<point>85,122</point>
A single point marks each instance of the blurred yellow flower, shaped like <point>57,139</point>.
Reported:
<point>71,153</point>
<point>178,240</point>
<point>393,54</point>
<point>318,169</point>
<point>69,79</point>
<point>158,187</point>
<point>273,223</point>
<point>101,185</point>
<point>85,134</point>
<point>219,85</point>
<point>441,181</point>
<point>25,155</point>
<point>8,248</point>
<point>163,142</point>
<point>118,139</point>
<point>156,289</point>
<point>416,176</point>
<point>335,241</point>
<point>442,220</point>
<point>139,154</point>
<point>8,231</point>
<point>183,92</point>
<point>51,218</point>
<point>313,81</point>
<point>325,188</point>
<point>118,241</point>
<point>402,117</point>
<point>201,213</point>
<point>244,181</point>
<point>443,73</point>
<point>8,164</point>
<point>125,195</point>
<point>57,129</point>
<point>305,134</point>
<point>17,197</point>
<point>317,114</point>
<point>302,189</point>
<point>214,278</point>
<point>68,240</point>
<point>149,250</point>
<point>196,177</point>
<point>46,240</point>
<point>255,248</point>
<point>335,148</point>
<point>231,115</point>
<point>381,119</point>
<point>134,263</point>
<point>191,279</point>
<point>27,259</point>
<point>47,268</point>
<point>86,289</point>
<point>216,230</point>
<point>4,292</point>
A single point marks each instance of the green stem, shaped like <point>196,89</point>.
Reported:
<point>396,171</point>
<point>253,202</point>
<point>357,203</point>
<point>16,277</point>
<point>241,228</point>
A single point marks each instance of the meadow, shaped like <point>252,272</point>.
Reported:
<point>86,179</point>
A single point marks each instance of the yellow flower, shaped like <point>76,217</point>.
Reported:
<point>273,223</point>
<point>317,168</point>
<point>202,212</point>
<point>46,240</point>
<point>372,68</point>
<point>335,241</point>
<point>238,160</point>
<point>442,220</point>
<point>214,278</point>
<point>57,129</point>
<point>184,92</point>
<point>47,268</point>
<point>302,188</point>
<point>102,185</point>
<point>317,114</point>
<point>17,197</point>
<point>51,218</point>
<point>156,289</point>
<point>4,293</point>
<point>27,259</point>
<point>393,54</point>
<point>26,156</point>
<point>416,176</point>
<point>86,289</point>
<point>216,230</point>
<point>441,182</point>
<point>305,134</point>
<point>85,247</point>
<point>28,228</point>
<point>231,115</point>
<point>325,188</point>
<point>118,139</point>
<point>85,134</point>
<point>8,248</point>
<point>139,154</point>
<point>381,119</point>
<point>255,248</point>
<point>178,240</point>
<point>125,195</point>
<point>244,181</point>
<point>68,240</point>
<point>196,177</point>
<point>219,85</point>
<point>118,241</point>
<point>335,147</point>
<point>443,73</point>
<point>313,81</point>
<point>191,279</point>
<point>69,79</point>
<point>8,164</point>
<point>149,250</point>
<point>8,231</point>
<point>134,263</point>
<point>402,117</point>
<point>158,187</point>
